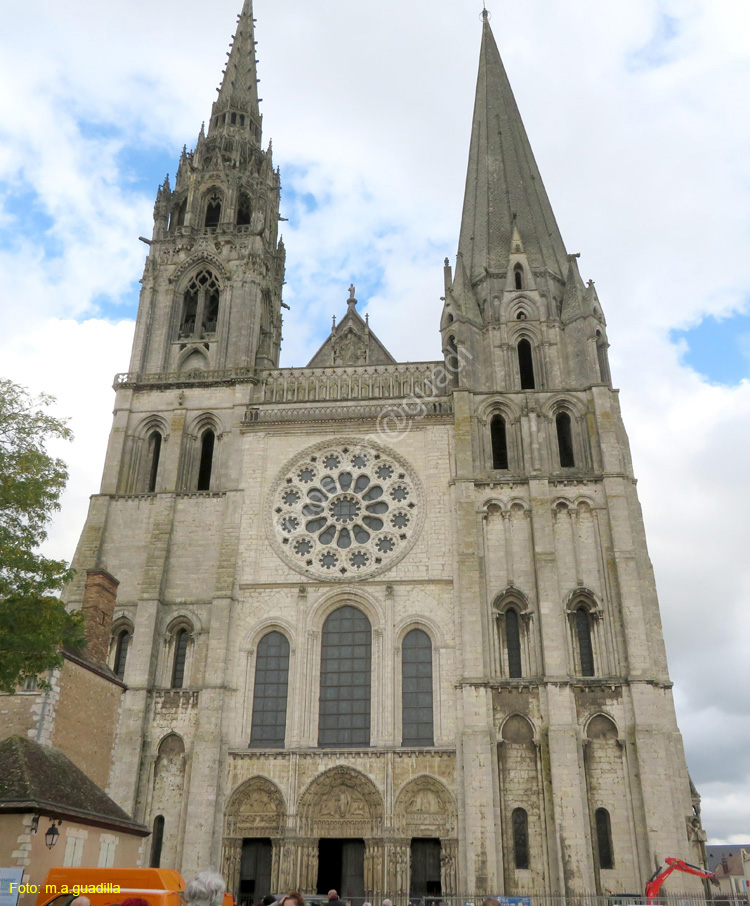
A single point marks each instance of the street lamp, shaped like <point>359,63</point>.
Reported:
<point>50,838</point>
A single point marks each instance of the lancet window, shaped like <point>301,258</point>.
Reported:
<point>565,440</point>
<point>208,442</point>
<point>122,645</point>
<point>526,365</point>
<point>270,692</point>
<point>520,837</point>
<point>499,438</point>
<point>416,690</point>
<point>604,838</point>
<point>181,640</point>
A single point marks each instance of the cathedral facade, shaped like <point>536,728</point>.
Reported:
<point>390,628</point>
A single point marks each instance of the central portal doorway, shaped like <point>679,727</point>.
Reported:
<point>341,867</point>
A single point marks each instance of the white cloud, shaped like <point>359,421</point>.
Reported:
<point>369,107</point>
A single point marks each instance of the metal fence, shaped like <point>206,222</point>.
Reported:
<point>542,899</point>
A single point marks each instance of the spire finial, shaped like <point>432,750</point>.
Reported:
<point>485,11</point>
<point>351,302</point>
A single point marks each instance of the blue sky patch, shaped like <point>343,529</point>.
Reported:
<point>718,349</point>
<point>657,51</point>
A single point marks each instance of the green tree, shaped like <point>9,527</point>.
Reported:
<point>33,620</point>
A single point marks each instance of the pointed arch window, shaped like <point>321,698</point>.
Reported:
<point>416,690</point>
<point>200,306</point>
<point>177,218</point>
<point>157,841</point>
<point>154,454</point>
<point>124,638</point>
<point>208,441</point>
<point>513,643</point>
<point>518,276</point>
<point>604,838</point>
<point>346,650</point>
<point>520,838</point>
<point>270,692</point>
<point>244,210</point>
<point>583,636</point>
<point>180,658</point>
<point>499,437</point>
<point>213,210</point>
<point>565,440</point>
<point>526,365</point>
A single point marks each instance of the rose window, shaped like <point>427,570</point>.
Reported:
<point>343,511</point>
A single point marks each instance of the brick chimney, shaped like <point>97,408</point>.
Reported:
<point>99,596</point>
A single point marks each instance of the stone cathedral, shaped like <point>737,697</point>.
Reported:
<point>390,628</point>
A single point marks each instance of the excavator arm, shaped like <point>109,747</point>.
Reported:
<point>663,872</point>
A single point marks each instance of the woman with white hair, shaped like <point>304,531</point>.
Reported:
<point>207,889</point>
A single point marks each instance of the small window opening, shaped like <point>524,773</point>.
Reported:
<point>244,210</point>
<point>234,119</point>
<point>518,275</point>
<point>565,440</point>
<point>520,838</point>
<point>513,644</point>
<point>154,452</point>
<point>206,464</point>
<point>180,657</point>
<point>242,119</point>
<point>521,316</point>
<point>526,365</point>
<point>499,443</point>
<point>604,838</point>
<point>585,649</point>
<point>156,841</point>
<point>121,652</point>
<point>213,211</point>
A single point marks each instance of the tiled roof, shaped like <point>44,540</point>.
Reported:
<point>41,778</point>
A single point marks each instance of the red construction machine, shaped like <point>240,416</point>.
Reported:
<point>663,872</point>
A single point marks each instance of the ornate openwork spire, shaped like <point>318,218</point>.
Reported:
<point>503,182</point>
<point>236,108</point>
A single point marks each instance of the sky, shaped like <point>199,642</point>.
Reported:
<point>637,113</point>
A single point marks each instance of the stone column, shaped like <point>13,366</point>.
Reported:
<point>231,859</point>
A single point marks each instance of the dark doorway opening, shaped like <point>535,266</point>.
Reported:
<point>425,868</point>
<point>255,871</point>
<point>341,867</point>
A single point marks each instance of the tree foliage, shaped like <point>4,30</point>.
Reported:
<point>33,620</point>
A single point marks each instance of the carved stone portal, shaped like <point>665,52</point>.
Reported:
<point>425,808</point>
<point>341,803</point>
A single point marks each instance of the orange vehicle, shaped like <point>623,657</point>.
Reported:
<point>107,886</point>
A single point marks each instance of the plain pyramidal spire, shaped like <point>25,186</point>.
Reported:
<point>237,105</point>
<point>504,189</point>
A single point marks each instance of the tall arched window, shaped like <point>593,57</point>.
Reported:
<point>499,442</point>
<point>518,274</point>
<point>344,717</point>
<point>416,690</point>
<point>157,839</point>
<point>121,652</point>
<point>565,440</point>
<point>270,692</point>
<point>207,460</point>
<point>154,453</point>
<point>200,306</point>
<point>513,643</point>
<point>180,658</point>
<point>520,838</point>
<point>604,838</point>
<point>526,365</point>
<point>583,635</point>
<point>213,210</point>
<point>177,218</point>
<point>244,210</point>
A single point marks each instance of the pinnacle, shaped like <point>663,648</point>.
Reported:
<point>237,104</point>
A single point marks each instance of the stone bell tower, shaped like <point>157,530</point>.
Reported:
<point>211,297</point>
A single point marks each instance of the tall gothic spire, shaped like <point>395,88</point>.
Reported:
<point>504,189</point>
<point>237,104</point>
